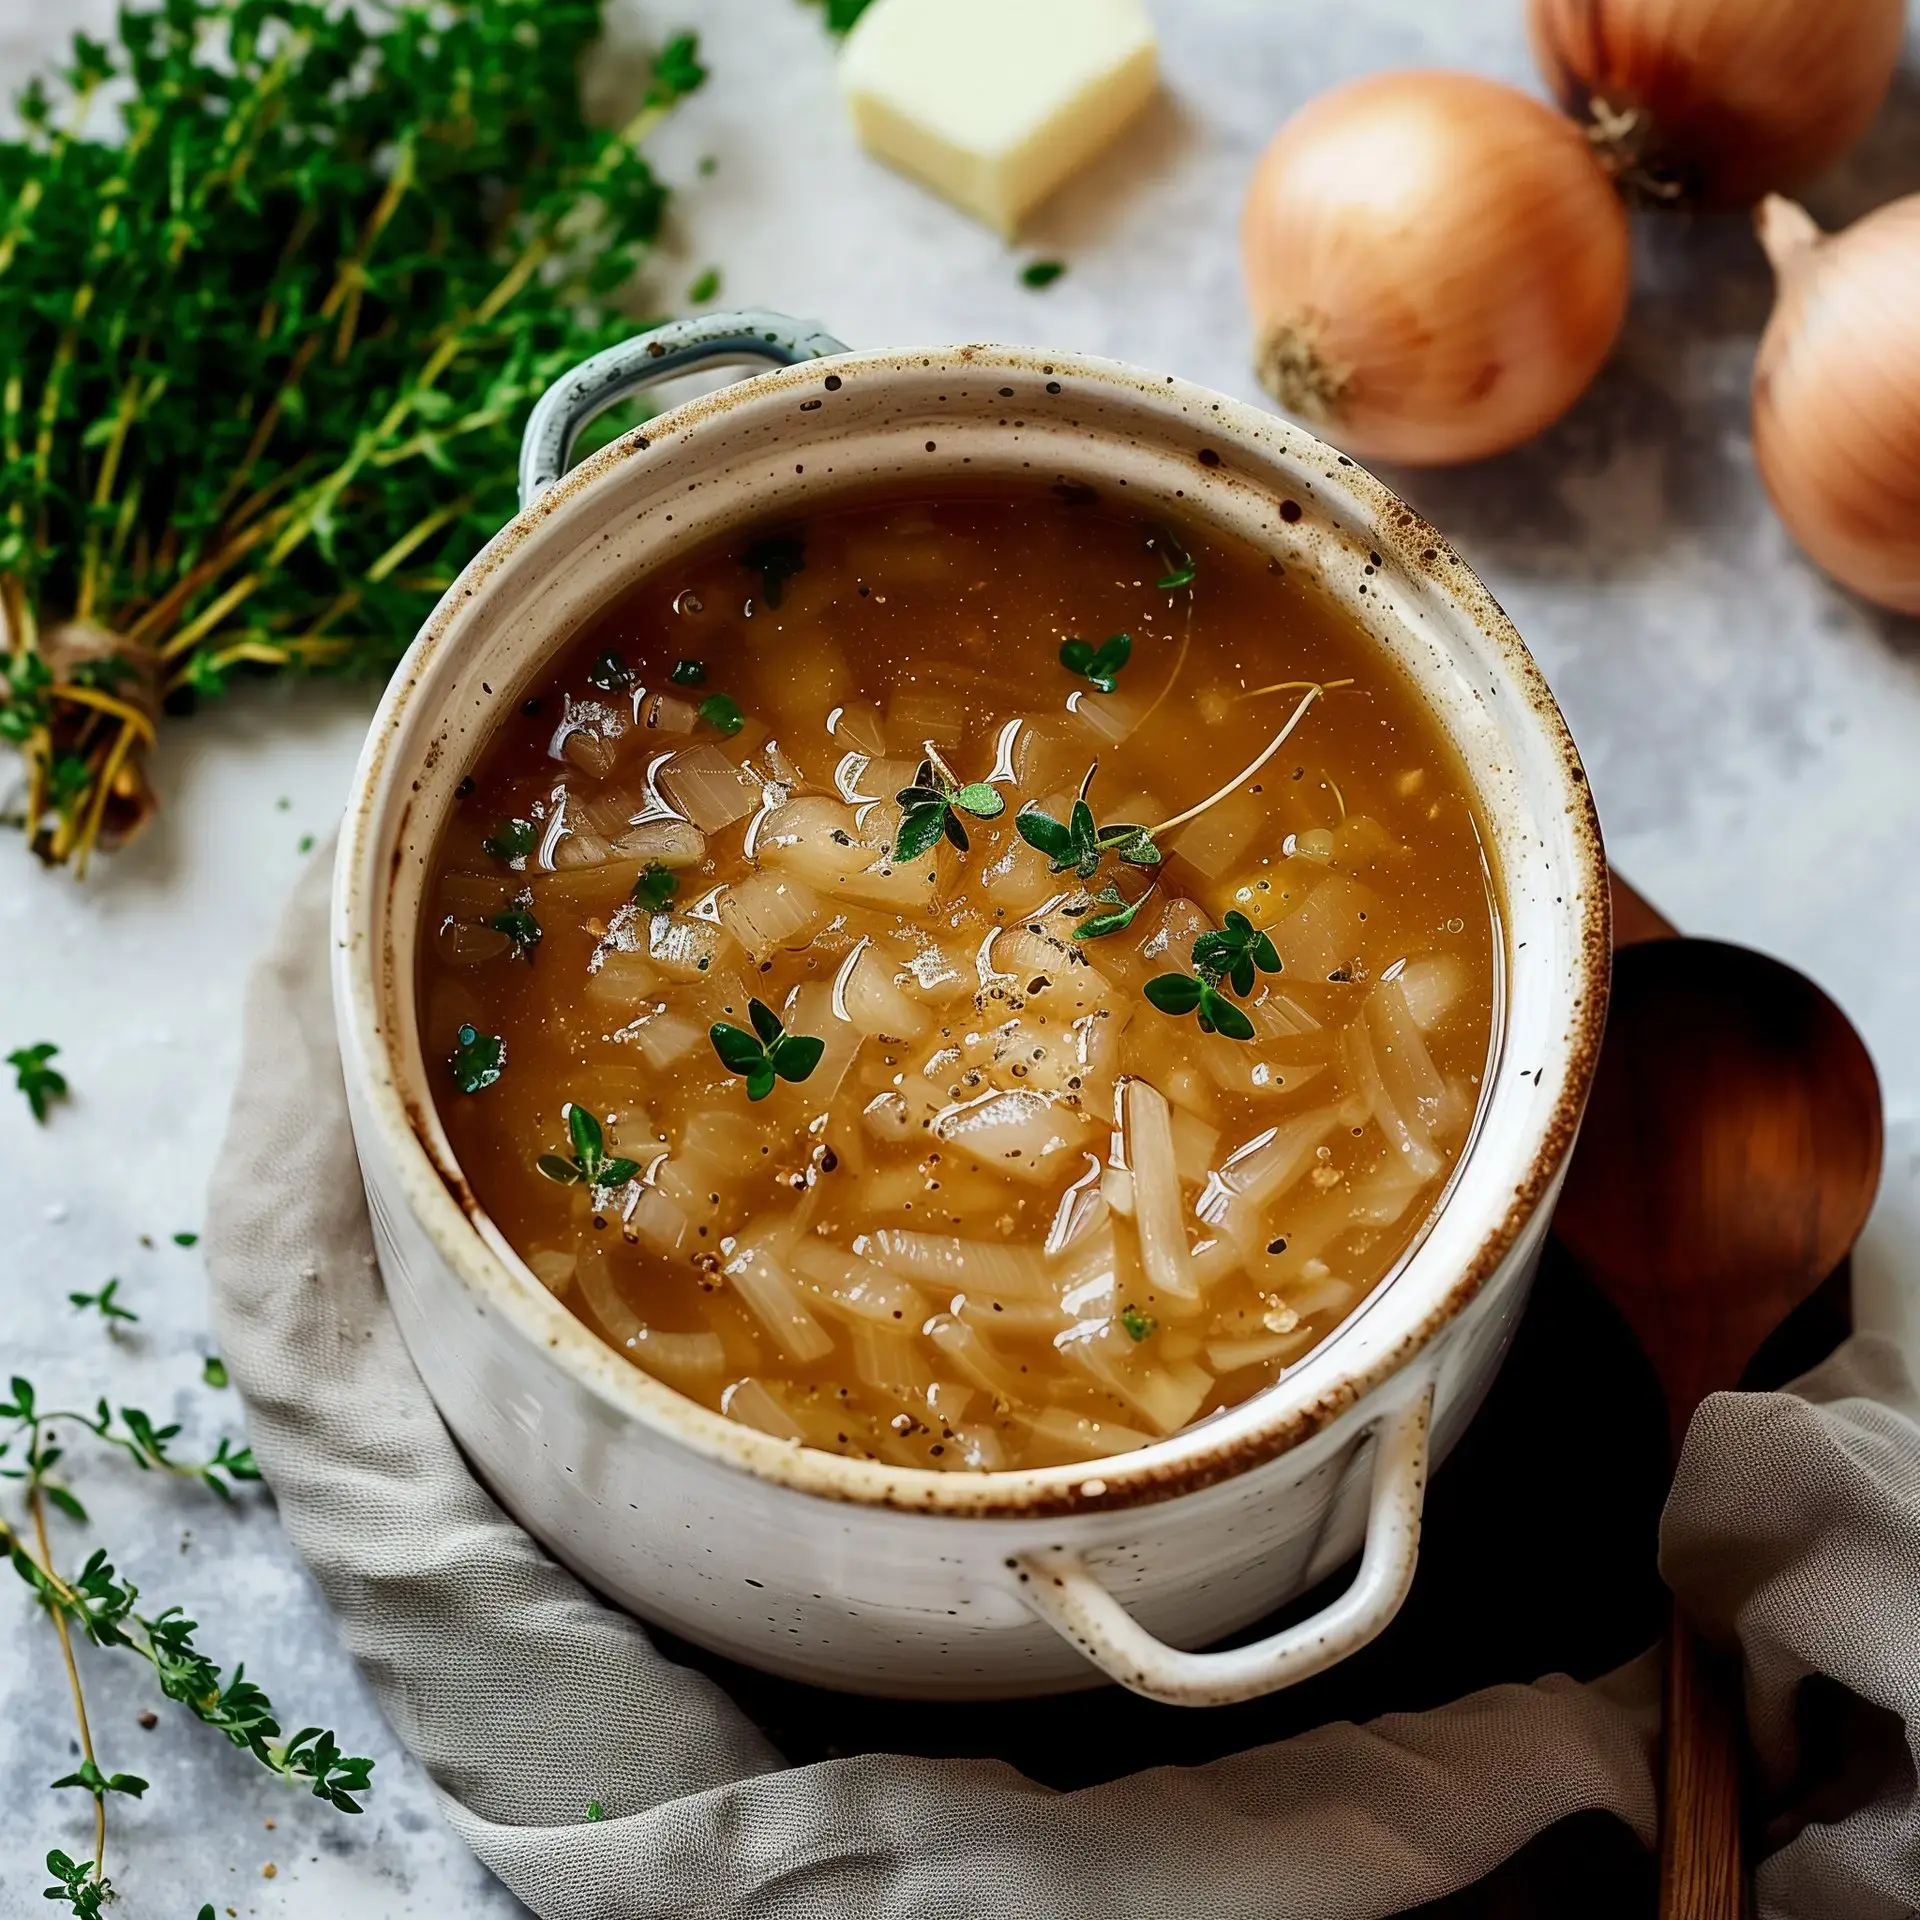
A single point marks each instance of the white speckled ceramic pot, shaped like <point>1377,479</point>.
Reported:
<point>848,1572</point>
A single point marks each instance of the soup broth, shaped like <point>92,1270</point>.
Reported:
<point>891,985</point>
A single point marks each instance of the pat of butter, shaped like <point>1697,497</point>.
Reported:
<point>993,103</point>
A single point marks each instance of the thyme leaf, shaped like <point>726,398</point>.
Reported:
<point>655,887</point>
<point>766,1055</point>
<point>478,1060</point>
<point>521,929</point>
<point>1101,664</point>
<point>103,1303</point>
<point>589,1164</point>
<point>41,1083</point>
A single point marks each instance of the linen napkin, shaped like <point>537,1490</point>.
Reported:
<point>1793,1528</point>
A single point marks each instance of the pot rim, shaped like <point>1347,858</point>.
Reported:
<point>1267,1424</point>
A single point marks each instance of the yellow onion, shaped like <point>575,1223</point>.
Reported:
<point>1436,266</point>
<point>1719,101</point>
<point>1836,395</point>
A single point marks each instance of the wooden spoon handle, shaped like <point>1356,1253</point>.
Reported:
<point>1702,1872</point>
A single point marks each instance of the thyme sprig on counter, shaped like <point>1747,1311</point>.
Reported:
<point>279,281</point>
<point>40,1082</point>
<point>96,1606</point>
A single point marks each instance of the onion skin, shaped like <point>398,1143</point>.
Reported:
<point>1435,265</point>
<point>1836,395</point>
<point>1719,101</point>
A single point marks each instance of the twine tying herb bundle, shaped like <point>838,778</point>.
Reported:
<point>278,284</point>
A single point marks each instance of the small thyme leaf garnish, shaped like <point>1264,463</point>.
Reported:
<point>595,1811</point>
<point>42,1084</point>
<point>931,807</point>
<point>521,929</point>
<point>589,1164</point>
<point>768,1053</point>
<point>478,1059</point>
<point>722,710</point>
<point>1101,664</point>
<point>1233,952</point>
<point>1041,273</point>
<point>1182,569</point>
<point>776,559</point>
<point>1179,993</point>
<point>689,673</point>
<point>706,288</point>
<point>103,1303</point>
<point>511,840</point>
<point>1139,1325</point>
<point>1079,842</point>
<point>655,887</point>
<point>611,674</point>
<point>1119,915</point>
<point>214,1372</point>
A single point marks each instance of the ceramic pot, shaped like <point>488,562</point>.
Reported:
<point>852,1573</point>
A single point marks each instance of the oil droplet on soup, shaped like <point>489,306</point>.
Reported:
<point>863,983</point>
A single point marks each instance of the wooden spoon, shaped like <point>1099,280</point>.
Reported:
<point>1727,1162</point>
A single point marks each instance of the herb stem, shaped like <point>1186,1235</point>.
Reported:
<point>103,492</point>
<point>1294,686</point>
<point>1272,747</point>
<point>103,786</point>
<point>36,1506</point>
<point>1179,667</point>
<point>420,532</point>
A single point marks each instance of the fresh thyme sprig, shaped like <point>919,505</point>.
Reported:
<point>511,841</point>
<point>1182,568</point>
<point>1231,954</point>
<point>97,1606</point>
<point>104,1304</point>
<point>932,806</point>
<point>655,887</point>
<point>523,931</point>
<point>1101,664</point>
<point>268,340</point>
<point>1079,843</point>
<point>768,1053</point>
<point>478,1060</point>
<point>589,1164</point>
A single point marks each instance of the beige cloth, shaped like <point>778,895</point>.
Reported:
<point>1795,1522</point>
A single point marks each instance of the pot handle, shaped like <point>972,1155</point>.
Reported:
<point>618,372</point>
<point>1058,1585</point>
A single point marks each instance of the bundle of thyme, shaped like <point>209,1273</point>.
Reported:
<point>279,281</point>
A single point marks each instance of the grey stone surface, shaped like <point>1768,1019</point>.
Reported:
<point>1752,733</point>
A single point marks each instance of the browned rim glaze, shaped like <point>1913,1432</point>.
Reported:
<point>372,988</point>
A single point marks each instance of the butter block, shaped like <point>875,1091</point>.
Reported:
<point>993,103</point>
